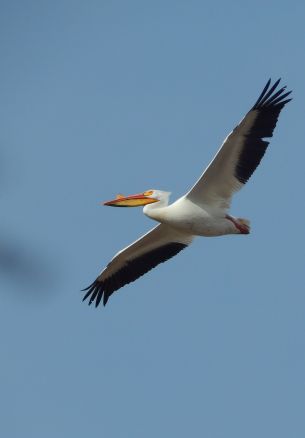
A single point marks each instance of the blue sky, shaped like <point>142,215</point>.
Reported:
<point>107,97</point>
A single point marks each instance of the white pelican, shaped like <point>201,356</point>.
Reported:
<point>203,211</point>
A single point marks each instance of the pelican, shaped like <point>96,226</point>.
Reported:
<point>204,210</point>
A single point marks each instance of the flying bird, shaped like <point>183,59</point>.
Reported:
<point>204,210</point>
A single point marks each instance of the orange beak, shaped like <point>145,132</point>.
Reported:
<point>131,201</point>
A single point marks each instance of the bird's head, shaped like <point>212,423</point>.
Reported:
<point>148,197</point>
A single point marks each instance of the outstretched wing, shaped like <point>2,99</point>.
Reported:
<point>241,151</point>
<point>157,246</point>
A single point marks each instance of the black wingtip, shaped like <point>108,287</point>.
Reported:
<point>270,97</point>
<point>96,292</point>
<point>87,288</point>
<point>87,294</point>
<point>105,299</point>
<point>263,92</point>
<point>98,299</point>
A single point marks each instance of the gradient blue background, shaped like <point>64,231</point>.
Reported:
<point>107,97</point>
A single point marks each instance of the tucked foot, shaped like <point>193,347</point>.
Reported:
<point>242,225</point>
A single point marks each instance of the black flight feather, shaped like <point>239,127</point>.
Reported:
<point>268,107</point>
<point>130,271</point>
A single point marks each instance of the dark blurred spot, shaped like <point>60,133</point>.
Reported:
<point>25,269</point>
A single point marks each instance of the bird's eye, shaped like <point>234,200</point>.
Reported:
<point>148,193</point>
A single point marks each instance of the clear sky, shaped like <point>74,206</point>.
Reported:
<point>107,97</point>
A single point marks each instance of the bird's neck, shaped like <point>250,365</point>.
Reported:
<point>156,210</point>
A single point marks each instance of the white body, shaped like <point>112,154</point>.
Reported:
<point>188,217</point>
